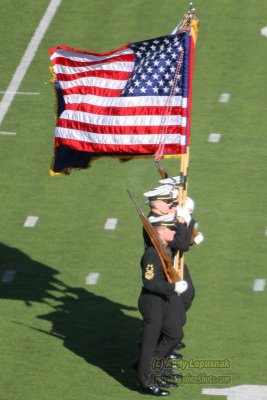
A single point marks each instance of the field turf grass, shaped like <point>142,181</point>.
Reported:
<point>62,339</point>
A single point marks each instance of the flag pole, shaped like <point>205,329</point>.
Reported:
<point>190,22</point>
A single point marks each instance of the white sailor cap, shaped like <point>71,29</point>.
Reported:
<point>173,180</point>
<point>160,193</point>
<point>163,220</point>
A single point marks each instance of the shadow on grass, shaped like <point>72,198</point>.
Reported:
<point>93,327</point>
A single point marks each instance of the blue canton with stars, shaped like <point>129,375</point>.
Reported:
<point>155,66</point>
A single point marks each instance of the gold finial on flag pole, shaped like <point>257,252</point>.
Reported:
<point>190,21</point>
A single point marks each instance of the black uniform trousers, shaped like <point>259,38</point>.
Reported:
<point>188,296</point>
<point>163,318</point>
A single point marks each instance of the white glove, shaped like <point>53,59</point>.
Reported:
<point>190,204</point>
<point>199,238</point>
<point>182,212</point>
<point>180,287</point>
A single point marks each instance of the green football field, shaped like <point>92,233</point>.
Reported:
<point>63,338</point>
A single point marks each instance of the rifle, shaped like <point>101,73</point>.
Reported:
<point>171,274</point>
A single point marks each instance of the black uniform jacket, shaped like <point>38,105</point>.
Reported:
<point>153,277</point>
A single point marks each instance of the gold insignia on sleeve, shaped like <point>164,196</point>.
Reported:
<point>149,274</point>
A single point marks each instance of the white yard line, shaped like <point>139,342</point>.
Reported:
<point>7,133</point>
<point>259,285</point>
<point>8,276</point>
<point>28,57</point>
<point>31,221</point>
<point>23,93</point>
<point>241,392</point>
<point>111,223</point>
<point>224,98</point>
<point>214,137</point>
<point>92,278</point>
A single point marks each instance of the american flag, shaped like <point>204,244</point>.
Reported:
<point>134,100</point>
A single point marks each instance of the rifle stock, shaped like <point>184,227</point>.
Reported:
<point>170,273</point>
<point>162,170</point>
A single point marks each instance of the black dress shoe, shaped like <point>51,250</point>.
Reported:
<point>163,383</point>
<point>180,346</point>
<point>154,390</point>
<point>177,376</point>
<point>175,356</point>
<point>172,377</point>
